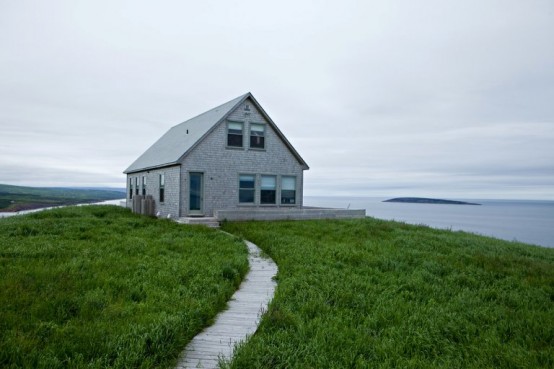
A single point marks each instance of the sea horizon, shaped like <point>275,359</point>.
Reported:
<point>527,221</point>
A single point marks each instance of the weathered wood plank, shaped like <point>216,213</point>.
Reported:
<point>239,321</point>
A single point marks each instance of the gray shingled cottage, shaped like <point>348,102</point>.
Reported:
<point>230,157</point>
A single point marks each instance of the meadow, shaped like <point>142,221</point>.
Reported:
<point>370,293</point>
<point>99,287</point>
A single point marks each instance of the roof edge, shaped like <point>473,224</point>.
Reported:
<point>214,127</point>
<point>305,165</point>
<point>166,165</point>
<point>247,95</point>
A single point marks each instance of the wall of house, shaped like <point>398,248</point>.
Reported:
<point>170,206</point>
<point>221,166</point>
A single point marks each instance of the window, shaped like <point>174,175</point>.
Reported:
<point>267,191</point>
<point>136,186</point>
<point>130,188</point>
<point>162,187</point>
<point>247,185</point>
<point>288,190</point>
<point>143,185</point>
<point>234,134</point>
<point>257,136</point>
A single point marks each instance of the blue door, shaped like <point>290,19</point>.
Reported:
<point>196,184</point>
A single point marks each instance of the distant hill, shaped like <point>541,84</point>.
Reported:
<point>16,198</point>
<point>117,189</point>
<point>424,200</point>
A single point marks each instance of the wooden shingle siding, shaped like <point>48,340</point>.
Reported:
<point>170,206</point>
<point>221,166</point>
<point>200,145</point>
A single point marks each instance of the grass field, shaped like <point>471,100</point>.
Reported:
<point>379,294</point>
<point>16,198</point>
<point>99,287</point>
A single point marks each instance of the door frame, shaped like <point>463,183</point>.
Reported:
<point>194,212</point>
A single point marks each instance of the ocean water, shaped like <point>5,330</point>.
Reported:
<point>513,220</point>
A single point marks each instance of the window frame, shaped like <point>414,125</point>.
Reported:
<point>263,136</point>
<point>130,188</point>
<point>136,185</point>
<point>162,187</point>
<point>143,186</point>
<point>229,122</point>
<point>262,190</point>
<point>294,203</point>
<point>253,189</point>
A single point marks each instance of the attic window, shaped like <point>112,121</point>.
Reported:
<point>257,136</point>
<point>246,107</point>
<point>234,134</point>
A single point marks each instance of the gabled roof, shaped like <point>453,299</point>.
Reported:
<point>182,138</point>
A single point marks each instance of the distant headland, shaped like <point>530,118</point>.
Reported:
<point>423,200</point>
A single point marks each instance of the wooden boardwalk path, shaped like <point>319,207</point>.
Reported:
<point>240,320</point>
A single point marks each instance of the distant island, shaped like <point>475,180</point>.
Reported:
<point>423,200</point>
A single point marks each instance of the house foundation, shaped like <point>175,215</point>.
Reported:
<point>303,213</point>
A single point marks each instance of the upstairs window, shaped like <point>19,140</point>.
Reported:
<point>136,186</point>
<point>162,187</point>
<point>234,134</point>
<point>257,136</point>
<point>143,185</point>
<point>247,185</point>
<point>288,190</point>
<point>268,190</point>
<point>130,188</point>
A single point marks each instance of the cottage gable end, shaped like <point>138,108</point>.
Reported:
<point>252,117</point>
<point>181,139</point>
<point>230,157</point>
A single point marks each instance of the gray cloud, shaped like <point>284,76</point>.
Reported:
<point>426,98</point>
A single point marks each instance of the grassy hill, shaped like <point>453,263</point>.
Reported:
<point>99,287</point>
<point>16,198</point>
<point>378,294</point>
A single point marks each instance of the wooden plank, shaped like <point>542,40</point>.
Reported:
<point>239,321</point>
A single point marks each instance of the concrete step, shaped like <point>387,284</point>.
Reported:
<point>205,221</point>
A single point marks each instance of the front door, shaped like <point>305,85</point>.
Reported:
<point>196,184</point>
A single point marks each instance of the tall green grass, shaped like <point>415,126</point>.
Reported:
<point>99,287</point>
<point>378,294</point>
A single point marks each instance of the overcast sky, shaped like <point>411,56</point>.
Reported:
<point>382,98</point>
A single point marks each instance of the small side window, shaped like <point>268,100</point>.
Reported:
<point>136,185</point>
<point>162,187</point>
<point>143,185</point>
<point>130,188</point>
